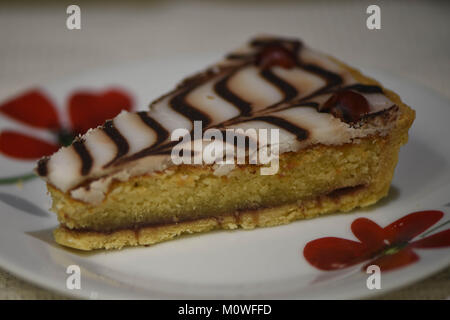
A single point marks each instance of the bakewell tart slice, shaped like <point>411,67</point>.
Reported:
<point>339,134</point>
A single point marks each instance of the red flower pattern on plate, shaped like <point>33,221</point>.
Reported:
<point>86,110</point>
<point>389,248</point>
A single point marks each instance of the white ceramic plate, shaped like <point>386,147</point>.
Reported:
<point>263,263</point>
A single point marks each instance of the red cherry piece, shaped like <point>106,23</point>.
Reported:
<point>21,146</point>
<point>347,105</point>
<point>275,55</point>
<point>32,108</point>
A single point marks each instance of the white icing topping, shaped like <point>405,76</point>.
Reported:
<point>100,147</point>
<point>303,81</point>
<point>248,85</point>
<point>134,130</point>
<point>206,100</point>
<point>64,169</point>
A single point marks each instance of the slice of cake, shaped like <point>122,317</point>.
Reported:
<point>338,135</point>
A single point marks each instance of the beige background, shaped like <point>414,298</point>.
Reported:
<point>36,47</point>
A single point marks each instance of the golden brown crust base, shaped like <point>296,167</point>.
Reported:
<point>343,200</point>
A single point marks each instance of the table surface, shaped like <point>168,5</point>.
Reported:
<point>36,47</point>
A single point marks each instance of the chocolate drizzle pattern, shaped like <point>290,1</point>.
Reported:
<point>300,133</point>
<point>266,54</point>
<point>179,104</point>
<point>332,79</point>
<point>288,91</point>
<point>42,168</point>
<point>161,133</point>
<point>364,88</point>
<point>221,88</point>
<point>120,142</point>
<point>85,156</point>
